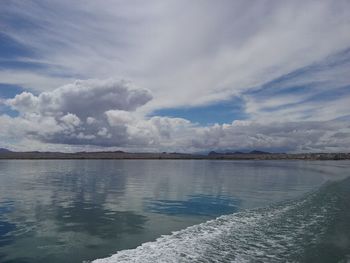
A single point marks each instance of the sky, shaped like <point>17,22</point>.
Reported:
<point>175,75</point>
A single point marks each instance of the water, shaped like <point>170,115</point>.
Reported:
<point>80,210</point>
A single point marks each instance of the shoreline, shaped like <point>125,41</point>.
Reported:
<point>168,156</point>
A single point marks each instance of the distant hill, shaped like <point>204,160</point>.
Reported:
<point>228,153</point>
<point>253,155</point>
<point>3,150</point>
<point>233,153</point>
<point>258,152</point>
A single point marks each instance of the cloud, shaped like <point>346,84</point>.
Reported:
<point>186,52</point>
<point>84,112</point>
<point>304,136</point>
<point>89,98</point>
<point>33,81</point>
<point>24,102</point>
<point>287,61</point>
<point>317,92</point>
<point>71,120</point>
<point>153,133</point>
<point>103,113</point>
<point>130,131</point>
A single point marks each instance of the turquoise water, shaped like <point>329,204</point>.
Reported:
<point>81,210</point>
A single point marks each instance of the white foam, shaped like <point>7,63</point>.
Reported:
<point>272,235</point>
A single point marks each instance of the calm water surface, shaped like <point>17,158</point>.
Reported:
<point>80,210</point>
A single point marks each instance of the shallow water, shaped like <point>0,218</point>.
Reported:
<point>54,211</point>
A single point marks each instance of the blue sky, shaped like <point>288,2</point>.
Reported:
<point>175,75</point>
<point>219,112</point>
<point>8,91</point>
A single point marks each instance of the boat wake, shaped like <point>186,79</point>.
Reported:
<point>315,228</point>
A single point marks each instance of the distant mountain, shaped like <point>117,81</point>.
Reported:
<point>229,153</point>
<point>237,152</point>
<point>213,155</point>
<point>258,152</point>
<point>3,150</point>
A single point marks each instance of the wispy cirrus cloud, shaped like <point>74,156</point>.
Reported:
<point>185,52</point>
<point>320,91</point>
